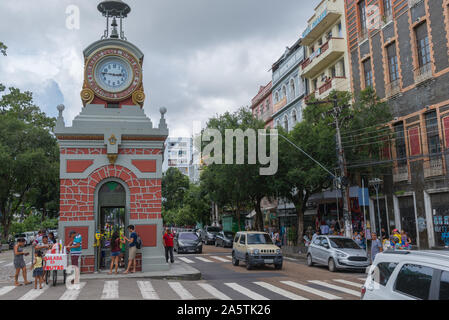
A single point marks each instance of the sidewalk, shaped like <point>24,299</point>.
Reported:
<point>178,271</point>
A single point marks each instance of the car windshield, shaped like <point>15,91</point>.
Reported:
<point>188,236</point>
<point>229,234</point>
<point>343,243</point>
<point>259,238</point>
<point>213,229</point>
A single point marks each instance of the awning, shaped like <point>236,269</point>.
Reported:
<point>329,196</point>
<point>312,212</point>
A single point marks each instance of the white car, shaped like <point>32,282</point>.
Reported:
<point>29,237</point>
<point>408,275</point>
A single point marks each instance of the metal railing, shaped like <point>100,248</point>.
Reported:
<point>433,167</point>
<point>393,88</point>
<point>423,73</point>
<point>400,173</point>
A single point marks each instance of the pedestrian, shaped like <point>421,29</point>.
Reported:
<point>316,234</point>
<point>75,247</point>
<point>324,228</point>
<point>277,239</point>
<point>44,246</point>
<point>376,246</point>
<point>168,245</point>
<point>51,238</point>
<point>38,269</point>
<point>132,249</point>
<point>115,251</point>
<point>362,240</point>
<point>19,262</point>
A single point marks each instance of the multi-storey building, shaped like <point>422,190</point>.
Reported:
<point>401,49</point>
<point>179,154</point>
<point>288,87</point>
<point>262,105</point>
<point>325,66</point>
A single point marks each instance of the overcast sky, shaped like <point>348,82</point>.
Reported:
<point>202,57</point>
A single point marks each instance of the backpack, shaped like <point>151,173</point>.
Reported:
<point>138,242</point>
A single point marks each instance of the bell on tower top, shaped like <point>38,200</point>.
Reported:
<point>114,9</point>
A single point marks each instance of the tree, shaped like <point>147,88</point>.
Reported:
<point>28,153</point>
<point>174,186</point>
<point>3,48</point>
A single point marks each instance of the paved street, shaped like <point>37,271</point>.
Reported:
<point>220,280</point>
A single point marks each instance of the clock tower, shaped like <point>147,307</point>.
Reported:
<point>111,157</point>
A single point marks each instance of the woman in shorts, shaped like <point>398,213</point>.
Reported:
<point>115,252</point>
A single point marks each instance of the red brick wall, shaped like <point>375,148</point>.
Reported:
<point>87,264</point>
<point>148,234</point>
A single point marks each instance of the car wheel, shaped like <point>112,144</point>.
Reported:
<point>331,265</point>
<point>309,260</point>
<point>248,265</point>
<point>278,266</point>
<point>235,261</point>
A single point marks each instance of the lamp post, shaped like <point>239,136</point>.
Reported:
<point>376,184</point>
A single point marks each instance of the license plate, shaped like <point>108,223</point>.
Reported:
<point>268,261</point>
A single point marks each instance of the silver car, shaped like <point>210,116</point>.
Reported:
<point>337,253</point>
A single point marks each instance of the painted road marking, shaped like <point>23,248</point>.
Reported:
<point>349,283</point>
<point>110,290</point>
<point>291,259</point>
<point>245,291</point>
<point>147,290</point>
<point>185,260</point>
<point>220,259</point>
<point>311,290</point>
<point>73,294</point>
<point>203,259</point>
<point>9,264</point>
<point>331,286</point>
<point>34,293</point>
<point>181,291</point>
<point>217,294</point>
<point>6,290</point>
<point>280,291</point>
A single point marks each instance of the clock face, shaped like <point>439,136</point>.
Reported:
<point>113,74</point>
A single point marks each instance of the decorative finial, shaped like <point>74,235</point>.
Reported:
<point>163,111</point>
<point>114,9</point>
<point>60,108</point>
<point>162,123</point>
<point>60,121</point>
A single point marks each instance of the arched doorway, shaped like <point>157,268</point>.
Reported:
<point>111,217</point>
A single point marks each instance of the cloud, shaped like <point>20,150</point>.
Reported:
<point>202,57</point>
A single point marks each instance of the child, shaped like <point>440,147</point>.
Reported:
<point>38,269</point>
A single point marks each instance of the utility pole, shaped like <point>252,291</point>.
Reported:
<point>336,114</point>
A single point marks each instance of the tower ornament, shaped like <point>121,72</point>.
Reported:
<point>138,97</point>
<point>87,96</point>
<point>114,9</point>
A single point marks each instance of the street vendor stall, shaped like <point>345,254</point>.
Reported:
<point>56,260</point>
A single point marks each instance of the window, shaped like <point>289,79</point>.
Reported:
<point>242,239</point>
<point>317,241</point>
<point>422,42</point>
<point>401,150</point>
<point>368,73</point>
<point>236,239</point>
<point>393,62</point>
<point>324,242</point>
<point>333,72</point>
<point>284,91</point>
<point>444,286</point>
<point>259,238</point>
<point>286,123</point>
<point>387,8</point>
<point>294,117</point>
<point>340,33</point>
<point>362,14</point>
<point>267,106</point>
<point>292,88</point>
<point>433,137</point>
<point>383,272</point>
<point>414,280</point>
<point>276,97</point>
<point>343,71</point>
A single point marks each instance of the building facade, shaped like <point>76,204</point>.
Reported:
<point>262,105</point>
<point>325,66</point>
<point>179,154</point>
<point>111,156</point>
<point>288,88</point>
<point>401,49</point>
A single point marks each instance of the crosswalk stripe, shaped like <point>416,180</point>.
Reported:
<point>363,279</point>
<point>349,283</point>
<point>245,291</point>
<point>217,294</point>
<point>230,257</point>
<point>203,259</point>
<point>311,290</point>
<point>147,290</point>
<point>6,290</point>
<point>34,293</point>
<point>110,290</point>
<point>187,260</point>
<point>181,291</point>
<point>73,294</point>
<point>338,288</point>
<point>9,264</point>
<point>291,259</point>
<point>220,259</point>
<point>280,291</point>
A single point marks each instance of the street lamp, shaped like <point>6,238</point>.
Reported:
<point>376,184</point>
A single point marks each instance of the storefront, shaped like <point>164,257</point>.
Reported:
<point>440,214</point>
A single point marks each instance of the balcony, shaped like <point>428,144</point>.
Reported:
<point>328,52</point>
<point>393,88</point>
<point>319,24</point>
<point>400,173</point>
<point>433,167</point>
<point>412,3</point>
<point>336,83</point>
<point>278,106</point>
<point>423,73</point>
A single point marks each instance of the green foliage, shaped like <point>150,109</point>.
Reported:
<point>174,187</point>
<point>3,48</point>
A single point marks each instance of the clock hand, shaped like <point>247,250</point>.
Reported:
<point>113,74</point>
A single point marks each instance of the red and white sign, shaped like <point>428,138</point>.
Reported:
<point>55,262</point>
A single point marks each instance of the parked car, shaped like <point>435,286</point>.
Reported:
<point>337,253</point>
<point>187,242</point>
<point>20,235</point>
<point>224,239</point>
<point>255,249</point>
<point>408,275</point>
<point>29,237</point>
<point>209,234</point>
